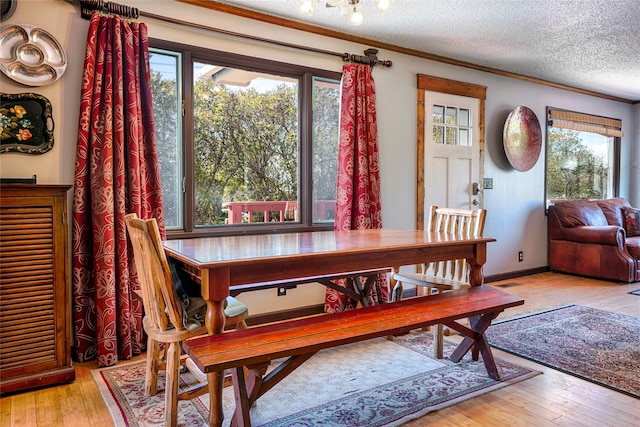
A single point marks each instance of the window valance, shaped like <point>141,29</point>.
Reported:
<point>585,122</point>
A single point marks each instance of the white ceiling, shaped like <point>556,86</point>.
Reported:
<point>587,44</point>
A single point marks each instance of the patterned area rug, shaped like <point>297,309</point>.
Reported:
<point>636,292</point>
<point>379,383</point>
<point>594,345</point>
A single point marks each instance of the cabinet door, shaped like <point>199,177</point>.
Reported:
<point>34,336</point>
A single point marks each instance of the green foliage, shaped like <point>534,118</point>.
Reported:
<point>167,121</point>
<point>573,171</point>
<point>245,145</point>
<point>326,116</point>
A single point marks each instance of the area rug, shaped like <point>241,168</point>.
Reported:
<point>636,292</point>
<point>591,344</point>
<point>373,383</point>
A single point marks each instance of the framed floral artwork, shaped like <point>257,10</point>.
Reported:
<point>26,124</point>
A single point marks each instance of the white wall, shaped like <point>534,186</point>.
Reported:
<point>515,205</point>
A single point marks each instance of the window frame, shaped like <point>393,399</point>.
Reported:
<point>189,55</point>
<point>614,168</point>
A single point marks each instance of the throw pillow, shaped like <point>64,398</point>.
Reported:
<point>632,221</point>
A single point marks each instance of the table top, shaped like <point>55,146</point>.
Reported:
<point>208,252</point>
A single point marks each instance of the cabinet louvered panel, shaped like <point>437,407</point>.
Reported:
<point>26,286</point>
<point>34,288</point>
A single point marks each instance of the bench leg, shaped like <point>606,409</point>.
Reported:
<point>475,338</point>
<point>241,415</point>
<point>246,391</point>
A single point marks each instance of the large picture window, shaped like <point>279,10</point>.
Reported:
<point>582,156</point>
<point>245,145</point>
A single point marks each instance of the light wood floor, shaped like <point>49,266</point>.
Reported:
<point>551,399</point>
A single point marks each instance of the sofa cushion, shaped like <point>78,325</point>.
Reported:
<point>631,221</point>
<point>612,209</point>
<point>573,213</point>
<point>633,246</point>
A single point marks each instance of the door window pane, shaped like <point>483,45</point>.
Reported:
<point>464,118</point>
<point>465,137</point>
<point>452,136</point>
<point>438,134</point>
<point>452,115</point>
<point>438,114</point>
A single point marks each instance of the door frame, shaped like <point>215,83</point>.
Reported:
<point>451,87</point>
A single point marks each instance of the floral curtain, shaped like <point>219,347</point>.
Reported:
<point>116,173</point>
<point>358,187</point>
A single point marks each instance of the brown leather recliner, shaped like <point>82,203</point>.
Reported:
<point>588,238</point>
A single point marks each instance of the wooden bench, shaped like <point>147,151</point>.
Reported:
<point>299,339</point>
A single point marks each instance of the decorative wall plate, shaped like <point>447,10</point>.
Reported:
<point>26,123</point>
<point>30,55</point>
<point>522,138</point>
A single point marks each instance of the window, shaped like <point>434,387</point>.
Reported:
<point>451,125</point>
<point>582,156</point>
<point>245,145</point>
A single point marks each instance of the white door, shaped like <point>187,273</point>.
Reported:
<point>452,151</point>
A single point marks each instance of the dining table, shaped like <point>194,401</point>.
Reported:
<point>225,261</point>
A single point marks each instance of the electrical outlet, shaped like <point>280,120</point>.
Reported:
<point>282,292</point>
<point>520,256</point>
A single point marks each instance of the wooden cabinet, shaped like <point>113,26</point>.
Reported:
<point>35,334</point>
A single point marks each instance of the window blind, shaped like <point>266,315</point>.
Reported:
<point>585,122</point>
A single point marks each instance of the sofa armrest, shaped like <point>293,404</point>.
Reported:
<point>610,235</point>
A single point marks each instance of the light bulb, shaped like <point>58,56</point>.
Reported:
<point>356,15</point>
<point>307,6</point>
<point>382,5</point>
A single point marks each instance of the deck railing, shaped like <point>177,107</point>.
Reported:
<point>279,211</point>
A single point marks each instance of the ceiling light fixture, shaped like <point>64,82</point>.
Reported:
<point>352,9</point>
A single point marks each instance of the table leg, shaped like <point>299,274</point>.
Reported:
<point>215,288</point>
<point>476,277</point>
<point>215,382</point>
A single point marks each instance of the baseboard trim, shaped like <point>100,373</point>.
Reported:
<point>278,316</point>
<point>514,274</point>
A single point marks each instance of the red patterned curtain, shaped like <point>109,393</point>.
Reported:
<point>358,187</point>
<point>116,173</point>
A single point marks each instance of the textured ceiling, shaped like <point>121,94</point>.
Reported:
<point>587,44</point>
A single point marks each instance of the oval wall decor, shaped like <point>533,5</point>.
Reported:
<point>522,138</point>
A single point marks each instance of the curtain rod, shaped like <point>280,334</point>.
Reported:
<point>88,6</point>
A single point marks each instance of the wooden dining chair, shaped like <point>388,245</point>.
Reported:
<point>443,275</point>
<point>164,320</point>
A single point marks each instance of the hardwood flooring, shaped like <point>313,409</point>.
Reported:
<point>551,399</point>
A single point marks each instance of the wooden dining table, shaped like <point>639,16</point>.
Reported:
<point>225,261</point>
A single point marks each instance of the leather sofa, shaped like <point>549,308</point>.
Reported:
<point>594,238</point>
